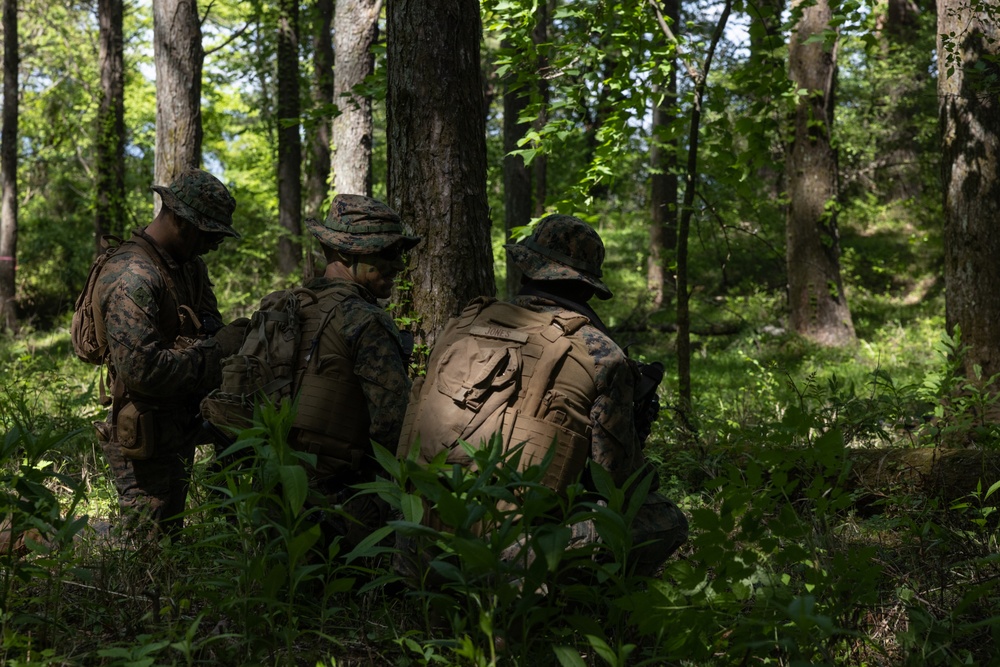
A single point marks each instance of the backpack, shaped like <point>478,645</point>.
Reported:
<point>494,370</point>
<point>269,364</point>
<point>87,331</point>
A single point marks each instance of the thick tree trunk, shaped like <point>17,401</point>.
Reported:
<point>289,143</point>
<point>815,291</point>
<point>516,175</point>
<point>970,131</point>
<point>109,207</point>
<point>178,55</point>
<point>8,171</point>
<point>318,172</point>
<point>355,31</point>
<point>437,153</point>
<point>949,474</point>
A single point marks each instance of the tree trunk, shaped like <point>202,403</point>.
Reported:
<point>970,131</point>
<point>663,182</point>
<point>766,42</point>
<point>816,296</point>
<point>109,207</point>
<point>516,175</point>
<point>289,143</point>
<point>437,154</point>
<point>684,227</point>
<point>949,474</point>
<point>540,165</point>
<point>318,173</point>
<point>317,177</point>
<point>178,56</point>
<point>8,170</point>
<point>355,31</point>
<point>898,30</point>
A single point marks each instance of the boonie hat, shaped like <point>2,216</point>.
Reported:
<point>562,248</point>
<point>202,200</point>
<point>359,225</point>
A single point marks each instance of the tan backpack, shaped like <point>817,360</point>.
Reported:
<point>500,368</point>
<point>87,331</point>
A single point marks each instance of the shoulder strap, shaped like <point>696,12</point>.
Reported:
<point>337,295</point>
<point>472,310</point>
<point>154,256</point>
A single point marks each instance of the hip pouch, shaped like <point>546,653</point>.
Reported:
<point>135,431</point>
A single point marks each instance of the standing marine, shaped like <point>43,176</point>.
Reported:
<point>165,341</point>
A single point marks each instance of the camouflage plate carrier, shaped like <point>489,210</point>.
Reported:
<point>500,368</point>
<point>280,361</point>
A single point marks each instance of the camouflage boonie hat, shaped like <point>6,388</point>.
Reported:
<point>202,200</point>
<point>562,248</point>
<point>359,225</point>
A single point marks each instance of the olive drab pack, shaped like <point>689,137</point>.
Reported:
<point>87,330</point>
<point>271,363</point>
<point>500,368</point>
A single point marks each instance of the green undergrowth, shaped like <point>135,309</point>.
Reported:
<point>788,561</point>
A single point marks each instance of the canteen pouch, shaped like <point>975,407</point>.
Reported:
<point>135,432</point>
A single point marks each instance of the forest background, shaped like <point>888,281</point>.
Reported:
<point>799,203</point>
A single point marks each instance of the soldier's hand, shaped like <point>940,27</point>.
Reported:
<point>230,337</point>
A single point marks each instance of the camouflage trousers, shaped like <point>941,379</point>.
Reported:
<point>347,515</point>
<point>152,493</point>
<point>658,530</point>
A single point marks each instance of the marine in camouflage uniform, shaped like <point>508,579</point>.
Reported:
<point>165,344</point>
<point>561,266</point>
<point>363,242</point>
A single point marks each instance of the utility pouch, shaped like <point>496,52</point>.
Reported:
<point>135,432</point>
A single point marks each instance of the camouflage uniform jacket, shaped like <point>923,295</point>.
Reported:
<point>614,444</point>
<point>152,345</point>
<point>375,352</point>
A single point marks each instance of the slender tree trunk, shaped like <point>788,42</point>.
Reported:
<point>664,184</point>
<point>898,29</point>
<point>178,56</point>
<point>516,175</point>
<point>540,165</point>
<point>766,42</point>
<point>317,177</point>
<point>8,170</point>
<point>970,132</point>
<point>684,227</point>
<point>289,143</point>
<point>109,206</point>
<point>318,173</point>
<point>355,31</point>
<point>437,153</point>
<point>817,301</point>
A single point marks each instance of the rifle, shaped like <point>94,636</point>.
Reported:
<point>645,404</point>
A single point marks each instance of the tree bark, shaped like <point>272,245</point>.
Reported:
<point>437,154</point>
<point>516,175</point>
<point>949,474</point>
<point>684,397</point>
<point>816,296</point>
<point>109,207</point>
<point>540,165</point>
<point>664,184</point>
<point>289,143</point>
<point>178,56</point>
<point>970,146</point>
<point>355,31</point>
<point>8,170</point>
<point>318,173</point>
